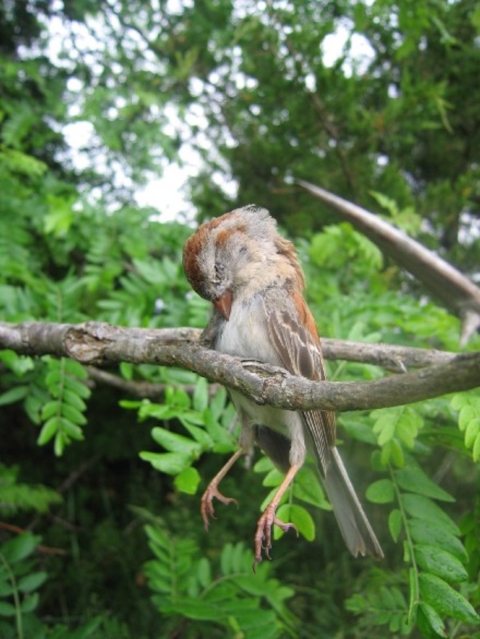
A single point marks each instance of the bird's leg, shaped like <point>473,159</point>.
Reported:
<point>212,490</point>
<point>263,535</point>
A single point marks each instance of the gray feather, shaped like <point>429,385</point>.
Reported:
<point>352,521</point>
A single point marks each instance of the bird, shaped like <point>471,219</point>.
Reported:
<point>252,276</point>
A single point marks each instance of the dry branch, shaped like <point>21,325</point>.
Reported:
<point>95,343</point>
<point>443,280</point>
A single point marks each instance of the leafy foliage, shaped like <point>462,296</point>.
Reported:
<point>17,496</point>
<point>255,94</point>
<point>20,582</point>
<point>468,407</point>
<point>206,423</point>
<point>431,548</point>
<point>227,595</point>
<point>18,587</point>
<point>63,414</point>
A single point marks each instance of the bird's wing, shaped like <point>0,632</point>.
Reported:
<point>294,335</point>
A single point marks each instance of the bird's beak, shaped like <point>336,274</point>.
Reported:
<point>223,304</point>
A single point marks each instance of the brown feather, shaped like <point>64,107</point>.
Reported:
<point>295,338</point>
<point>286,248</point>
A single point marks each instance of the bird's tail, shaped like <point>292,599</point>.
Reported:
<point>354,525</point>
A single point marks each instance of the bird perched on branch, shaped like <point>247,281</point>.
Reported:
<point>252,276</point>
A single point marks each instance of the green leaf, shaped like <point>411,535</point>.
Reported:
<point>430,623</point>
<point>395,524</point>
<point>132,404</point>
<point>148,409</point>
<point>191,609</point>
<point>429,532</point>
<point>190,417</point>
<point>59,443</point>
<point>466,415</point>
<point>6,588</point>
<point>72,367</point>
<point>476,449</point>
<point>273,478</point>
<point>424,508</point>
<point>13,395</point>
<point>71,429</point>
<point>263,465</point>
<point>358,429</point>
<point>414,592</point>
<point>226,559</point>
<point>77,387</point>
<point>386,433</point>
<point>31,581</point>
<point>50,409</point>
<point>406,432</point>
<point>200,395</point>
<point>158,536</point>
<point>126,370</point>
<point>177,397</point>
<point>151,270</point>
<point>176,443</point>
<point>396,453</point>
<point>19,364</point>
<point>471,432</point>
<point>445,600</point>
<point>53,376</point>
<point>416,481</point>
<point>392,451</point>
<point>17,548</point>
<point>381,492</point>
<point>170,463</point>
<point>458,401</point>
<point>49,429</point>
<point>60,216</point>
<point>30,603</point>
<point>199,434</point>
<point>223,440</point>
<point>187,481</point>
<point>441,563</point>
<point>73,415</point>
<point>204,572</point>
<point>217,403</point>
<point>308,488</point>
<point>7,609</point>
<point>23,163</point>
<point>297,515</point>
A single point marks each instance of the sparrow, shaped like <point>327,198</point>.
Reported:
<point>253,278</point>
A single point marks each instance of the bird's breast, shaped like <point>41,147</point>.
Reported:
<point>246,335</point>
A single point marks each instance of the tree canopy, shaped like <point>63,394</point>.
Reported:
<point>103,461</point>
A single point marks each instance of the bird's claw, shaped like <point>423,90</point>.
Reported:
<point>206,507</point>
<point>263,535</point>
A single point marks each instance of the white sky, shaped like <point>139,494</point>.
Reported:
<point>174,179</point>
<point>171,185</point>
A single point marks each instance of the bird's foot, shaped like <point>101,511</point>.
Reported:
<point>263,535</point>
<point>208,496</point>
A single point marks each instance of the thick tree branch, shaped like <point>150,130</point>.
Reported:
<point>97,343</point>
<point>440,278</point>
<point>38,338</point>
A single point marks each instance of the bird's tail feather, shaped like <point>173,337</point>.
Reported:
<point>353,523</point>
